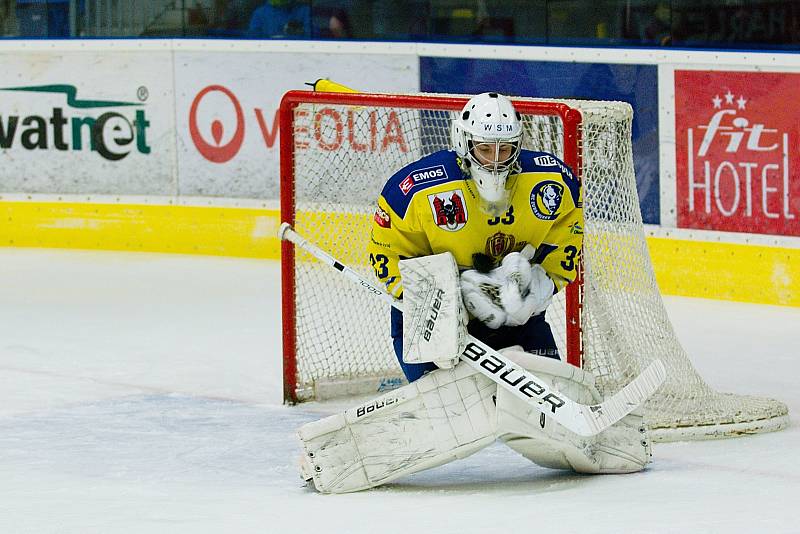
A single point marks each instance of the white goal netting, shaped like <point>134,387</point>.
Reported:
<point>341,154</point>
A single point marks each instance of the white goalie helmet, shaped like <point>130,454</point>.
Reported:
<point>487,135</point>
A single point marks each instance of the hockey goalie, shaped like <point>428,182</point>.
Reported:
<point>475,241</point>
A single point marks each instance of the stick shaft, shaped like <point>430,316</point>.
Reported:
<point>286,232</point>
<point>579,418</point>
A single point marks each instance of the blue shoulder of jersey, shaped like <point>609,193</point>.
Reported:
<point>434,169</point>
<point>545,162</point>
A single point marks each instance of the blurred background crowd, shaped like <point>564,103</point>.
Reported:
<point>756,24</point>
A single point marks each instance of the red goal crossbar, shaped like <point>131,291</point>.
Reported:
<point>570,118</point>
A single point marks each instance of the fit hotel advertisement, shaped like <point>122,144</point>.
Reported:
<point>738,151</point>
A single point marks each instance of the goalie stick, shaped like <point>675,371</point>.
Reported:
<point>583,419</point>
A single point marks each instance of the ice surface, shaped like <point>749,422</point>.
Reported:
<point>141,393</point>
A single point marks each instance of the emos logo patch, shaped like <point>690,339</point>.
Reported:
<point>428,174</point>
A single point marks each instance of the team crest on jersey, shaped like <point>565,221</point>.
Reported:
<point>546,199</point>
<point>382,218</point>
<point>500,244</point>
<point>449,210</point>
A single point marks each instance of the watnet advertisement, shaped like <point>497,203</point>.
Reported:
<point>738,151</point>
<point>70,124</point>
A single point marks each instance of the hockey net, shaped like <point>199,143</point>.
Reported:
<point>337,150</point>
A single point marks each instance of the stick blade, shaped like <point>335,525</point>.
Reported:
<point>599,417</point>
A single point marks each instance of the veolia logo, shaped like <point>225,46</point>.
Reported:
<point>110,134</point>
<point>217,152</point>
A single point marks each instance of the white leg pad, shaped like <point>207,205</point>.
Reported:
<point>445,415</point>
<point>622,448</point>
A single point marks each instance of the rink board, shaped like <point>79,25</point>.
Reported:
<point>685,266</point>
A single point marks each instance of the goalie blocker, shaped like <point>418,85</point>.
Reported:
<point>435,321</point>
<point>452,413</point>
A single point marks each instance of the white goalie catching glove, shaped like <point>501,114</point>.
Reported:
<point>508,295</point>
<point>526,289</point>
<point>481,293</point>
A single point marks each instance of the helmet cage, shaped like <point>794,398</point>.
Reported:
<point>489,118</point>
<point>495,165</point>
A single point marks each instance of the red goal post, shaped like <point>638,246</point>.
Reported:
<point>289,147</point>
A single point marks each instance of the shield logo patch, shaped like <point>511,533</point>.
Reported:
<point>449,210</point>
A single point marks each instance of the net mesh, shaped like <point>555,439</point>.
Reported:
<point>343,155</point>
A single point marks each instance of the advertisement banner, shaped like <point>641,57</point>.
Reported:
<point>635,84</point>
<point>71,124</point>
<point>738,151</point>
<point>227,113</point>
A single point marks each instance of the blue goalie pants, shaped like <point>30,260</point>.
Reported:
<point>535,337</point>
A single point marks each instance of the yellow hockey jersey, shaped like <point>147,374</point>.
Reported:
<point>432,206</point>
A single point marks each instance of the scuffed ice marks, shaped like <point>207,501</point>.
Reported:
<point>158,438</point>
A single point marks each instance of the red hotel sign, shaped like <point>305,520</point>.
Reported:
<point>738,151</point>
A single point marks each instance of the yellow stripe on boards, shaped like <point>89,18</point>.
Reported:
<point>727,271</point>
<point>219,231</point>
